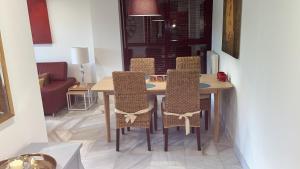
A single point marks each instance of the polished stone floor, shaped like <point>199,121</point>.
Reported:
<point>88,128</point>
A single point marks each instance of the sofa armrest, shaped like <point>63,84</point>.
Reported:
<point>58,85</point>
<point>54,95</point>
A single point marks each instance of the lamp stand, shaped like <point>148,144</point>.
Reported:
<point>82,74</point>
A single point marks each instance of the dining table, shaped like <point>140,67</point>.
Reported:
<point>209,84</point>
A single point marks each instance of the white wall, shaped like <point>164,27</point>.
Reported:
<point>262,113</point>
<point>70,23</point>
<point>84,23</point>
<point>107,36</point>
<point>28,125</point>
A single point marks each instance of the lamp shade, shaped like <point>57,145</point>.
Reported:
<point>79,55</point>
<point>143,8</point>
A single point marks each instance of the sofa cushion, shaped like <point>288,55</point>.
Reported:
<point>56,70</point>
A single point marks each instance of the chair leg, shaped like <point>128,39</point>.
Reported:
<point>128,128</point>
<point>148,139</point>
<point>193,130</point>
<point>155,113</point>
<point>123,131</point>
<point>166,139</point>
<point>206,119</point>
<point>162,113</point>
<point>118,140</point>
<point>155,120</point>
<point>151,125</point>
<point>198,138</point>
<point>178,128</point>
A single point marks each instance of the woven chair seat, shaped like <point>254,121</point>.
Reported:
<point>204,103</point>
<point>174,121</point>
<point>141,121</point>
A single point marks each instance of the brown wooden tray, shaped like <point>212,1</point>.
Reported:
<point>48,162</point>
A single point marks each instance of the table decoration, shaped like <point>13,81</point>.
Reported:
<point>149,85</point>
<point>204,85</point>
<point>158,78</point>
<point>29,161</point>
<point>222,76</point>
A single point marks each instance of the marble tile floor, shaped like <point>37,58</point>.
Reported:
<point>88,128</point>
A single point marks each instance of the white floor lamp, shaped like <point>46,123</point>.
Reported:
<point>80,56</point>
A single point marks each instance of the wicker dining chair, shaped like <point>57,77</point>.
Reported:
<point>132,106</point>
<point>188,62</point>
<point>181,106</point>
<point>194,63</point>
<point>146,65</point>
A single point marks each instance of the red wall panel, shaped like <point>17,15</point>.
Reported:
<point>39,21</point>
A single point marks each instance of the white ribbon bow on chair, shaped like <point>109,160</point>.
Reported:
<point>186,118</point>
<point>131,117</point>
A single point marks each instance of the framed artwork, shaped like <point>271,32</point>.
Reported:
<point>6,104</point>
<point>232,27</point>
<point>39,21</point>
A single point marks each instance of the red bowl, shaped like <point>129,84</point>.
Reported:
<point>222,76</point>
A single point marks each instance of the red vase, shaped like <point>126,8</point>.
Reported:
<point>222,76</point>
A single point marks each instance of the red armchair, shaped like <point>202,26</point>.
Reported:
<point>54,93</point>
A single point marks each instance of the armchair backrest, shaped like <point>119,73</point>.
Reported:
<point>56,70</point>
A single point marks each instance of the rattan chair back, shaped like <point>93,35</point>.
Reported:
<point>182,91</point>
<point>130,97</point>
<point>188,63</point>
<point>145,65</point>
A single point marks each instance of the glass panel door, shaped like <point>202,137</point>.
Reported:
<point>183,29</point>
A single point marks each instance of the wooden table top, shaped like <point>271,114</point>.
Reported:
<point>82,87</point>
<point>106,85</point>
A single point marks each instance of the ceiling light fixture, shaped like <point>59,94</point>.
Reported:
<point>143,8</point>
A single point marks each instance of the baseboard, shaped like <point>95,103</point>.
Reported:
<point>237,150</point>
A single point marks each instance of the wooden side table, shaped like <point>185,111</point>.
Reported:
<point>89,97</point>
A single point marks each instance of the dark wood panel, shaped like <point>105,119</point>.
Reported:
<point>184,29</point>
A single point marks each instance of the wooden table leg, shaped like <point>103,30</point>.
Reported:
<point>217,116</point>
<point>107,116</point>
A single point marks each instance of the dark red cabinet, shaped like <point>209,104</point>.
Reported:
<point>183,29</point>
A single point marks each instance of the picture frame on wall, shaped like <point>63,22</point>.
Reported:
<point>39,21</point>
<point>6,103</point>
<point>232,14</point>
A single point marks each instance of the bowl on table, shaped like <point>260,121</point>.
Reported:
<point>42,161</point>
<point>158,78</point>
<point>222,76</point>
